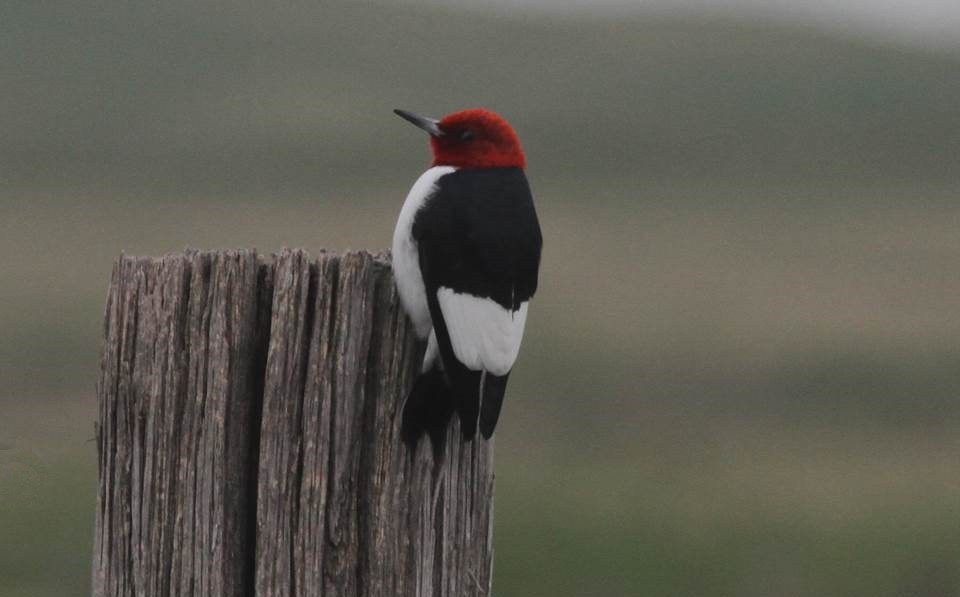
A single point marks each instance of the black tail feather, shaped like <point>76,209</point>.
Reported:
<point>471,406</point>
<point>428,410</point>
<point>494,387</point>
<point>432,402</point>
<point>466,391</point>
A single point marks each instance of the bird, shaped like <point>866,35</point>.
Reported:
<point>466,259</point>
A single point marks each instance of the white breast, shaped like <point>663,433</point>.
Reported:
<point>406,258</point>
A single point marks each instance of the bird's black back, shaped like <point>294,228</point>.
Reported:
<point>477,234</point>
<point>480,235</point>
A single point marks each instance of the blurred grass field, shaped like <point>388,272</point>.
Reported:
<point>720,409</point>
<point>740,376</point>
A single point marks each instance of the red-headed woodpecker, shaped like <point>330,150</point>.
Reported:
<point>466,252</point>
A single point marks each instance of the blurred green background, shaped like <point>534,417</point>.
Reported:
<point>741,373</point>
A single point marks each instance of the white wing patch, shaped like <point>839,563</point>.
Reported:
<point>485,336</point>
<point>406,255</point>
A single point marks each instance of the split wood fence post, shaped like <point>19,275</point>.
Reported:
<point>248,437</point>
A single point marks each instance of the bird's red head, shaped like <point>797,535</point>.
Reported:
<point>471,139</point>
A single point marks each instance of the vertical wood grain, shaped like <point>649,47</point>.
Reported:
<point>248,437</point>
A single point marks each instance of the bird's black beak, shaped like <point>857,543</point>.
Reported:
<point>428,124</point>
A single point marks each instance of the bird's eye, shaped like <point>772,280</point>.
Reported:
<point>466,135</point>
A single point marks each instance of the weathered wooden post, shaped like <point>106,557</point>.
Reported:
<point>249,437</point>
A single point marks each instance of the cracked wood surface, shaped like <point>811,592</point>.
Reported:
<point>248,437</point>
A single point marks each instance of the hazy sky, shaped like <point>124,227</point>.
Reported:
<point>922,22</point>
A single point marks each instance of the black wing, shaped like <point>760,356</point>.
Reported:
<point>478,235</point>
